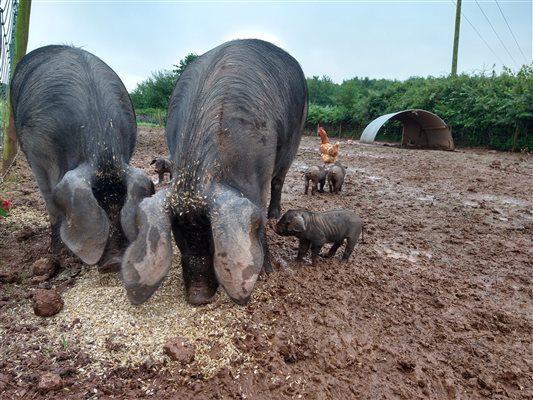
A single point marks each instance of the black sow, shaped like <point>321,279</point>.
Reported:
<point>76,125</point>
<point>234,124</point>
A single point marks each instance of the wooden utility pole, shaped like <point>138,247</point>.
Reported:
<point>456,38</point>
<point>21,43</point>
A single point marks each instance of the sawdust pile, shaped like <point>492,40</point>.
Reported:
<point>24,216</point>
<point>98,318</point>
<point>114,332</point>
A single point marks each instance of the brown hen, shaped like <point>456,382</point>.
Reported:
<point>328,151</point>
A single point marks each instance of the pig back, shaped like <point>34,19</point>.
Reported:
<point>70,108</point>
<point>339,222</point>
<point>236,112</point>
<point>337,172</point>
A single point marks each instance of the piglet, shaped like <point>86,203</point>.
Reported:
<point>317,175</point>
<point>162,166</point>
<point>314,229</point>
<point>336,175</point>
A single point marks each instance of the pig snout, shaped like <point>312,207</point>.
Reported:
<point>147,260</point>
<point>278,229</point>
<point>238,248</point>
<point>291,223</point>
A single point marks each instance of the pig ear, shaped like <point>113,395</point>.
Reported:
<point>138,186</point>
<point>147,260</point>
<point>238,252</point>
<point>297,224</point>
<point>85,226</point>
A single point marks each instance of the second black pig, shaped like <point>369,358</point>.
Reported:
<point>317,176</point>
<point>315,229</point>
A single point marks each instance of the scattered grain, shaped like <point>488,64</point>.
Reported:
<point>97,308</point>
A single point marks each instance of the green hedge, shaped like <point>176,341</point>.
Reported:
<point>151,116</point>
<point>492,110</point>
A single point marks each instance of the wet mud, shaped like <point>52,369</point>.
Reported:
<point>436,302</point>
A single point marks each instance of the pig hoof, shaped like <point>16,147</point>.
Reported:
<point>274,213</point>
<point>267,268</point>
<point>138,294</point>
<point>263,275</point>
<point>110,265</point>
<point>198,295</point>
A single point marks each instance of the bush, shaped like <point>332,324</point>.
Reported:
<point>155,91</point>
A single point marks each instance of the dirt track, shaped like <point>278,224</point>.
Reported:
<point>437,302</point>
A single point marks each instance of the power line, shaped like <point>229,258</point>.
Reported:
<point>496,33</point>
<point>510,30</point>
<point>480,36</point>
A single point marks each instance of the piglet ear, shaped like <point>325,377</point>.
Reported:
<point>138,186</point>
<point>297,224</point>
<point>147,260</point>
<point>85,226</point>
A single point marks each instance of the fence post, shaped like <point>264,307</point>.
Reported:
<point>515,136</point>
<point>21,43</point>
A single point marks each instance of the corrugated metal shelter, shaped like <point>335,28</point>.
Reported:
<point>420,129</point>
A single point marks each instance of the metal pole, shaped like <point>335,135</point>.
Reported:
<point>456,38</point>
<point>21,43</point>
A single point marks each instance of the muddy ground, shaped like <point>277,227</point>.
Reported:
<point>436,302</point>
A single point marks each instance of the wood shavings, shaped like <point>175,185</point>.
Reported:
<point>99,305</point>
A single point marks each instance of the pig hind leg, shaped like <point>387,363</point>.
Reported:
<point>350,244</point>
<point>334,248</point>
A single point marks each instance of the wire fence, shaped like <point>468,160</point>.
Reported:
<point>8,17</point>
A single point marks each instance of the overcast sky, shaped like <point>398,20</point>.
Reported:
<point>340,39</point>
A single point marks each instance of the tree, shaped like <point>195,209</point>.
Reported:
<point>155,91</point>
<point>179,68</point>
<point>321,90</point>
